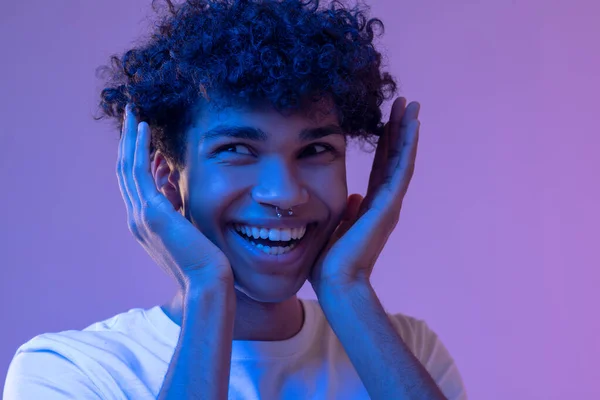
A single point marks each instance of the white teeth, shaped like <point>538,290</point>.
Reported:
<point>274,234</point>
<point>284,234</point>
<point>275,250</point>
<point>297,233</point>
<point>301,232</point>
<point>264,233</point>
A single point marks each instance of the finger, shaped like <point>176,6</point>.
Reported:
<point>354,201</point>
<point>399,120</point>
<point>406,164</point>
<point>409,136</point>
<point>378,166</point>
<point>120,167</point>
<point>127,160</point>
<point>142,175</point>
<point>380,161</point>
<point>354,207</point>
<point>350,215</point>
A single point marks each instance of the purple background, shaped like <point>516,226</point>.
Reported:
<point>497,245</point>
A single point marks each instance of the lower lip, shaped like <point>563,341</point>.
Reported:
<point>268,260</point>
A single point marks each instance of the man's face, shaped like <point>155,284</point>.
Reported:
<point>237,176</point>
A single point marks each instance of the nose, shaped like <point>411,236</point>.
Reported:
<point>278,185</point>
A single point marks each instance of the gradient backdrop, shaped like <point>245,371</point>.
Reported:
<point>497,245</point>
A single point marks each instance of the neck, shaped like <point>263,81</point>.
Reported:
<point>254,320</point>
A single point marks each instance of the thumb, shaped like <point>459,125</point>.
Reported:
<point>354,202</point>
<point>350,215</point>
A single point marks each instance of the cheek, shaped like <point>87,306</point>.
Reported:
<point>210,196</point>
<point>331,187</point>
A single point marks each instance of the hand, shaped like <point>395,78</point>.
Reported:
<point>350,255</point>
<point>170,239</point>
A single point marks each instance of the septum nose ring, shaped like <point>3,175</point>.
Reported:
<point>289,212</point>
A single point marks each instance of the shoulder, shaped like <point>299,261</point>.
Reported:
<point>40,373</point>
<point>422,341</point>
<point>43,366</point>
<point>429,349</point>
<point>415,332</point>
<point>107,336</point>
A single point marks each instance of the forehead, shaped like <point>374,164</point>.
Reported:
<point>266,118</point>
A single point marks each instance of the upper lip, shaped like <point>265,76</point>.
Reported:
<point>271,223</point>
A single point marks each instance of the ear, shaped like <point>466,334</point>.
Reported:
<point>166,179</point>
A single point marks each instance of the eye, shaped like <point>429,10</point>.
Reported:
<point>228,149</point>
<point>328,148</point>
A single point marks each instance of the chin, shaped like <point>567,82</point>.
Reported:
<point>274,289</point>
<point>271,279</point>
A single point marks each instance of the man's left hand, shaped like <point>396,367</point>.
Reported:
<point>350,255</point>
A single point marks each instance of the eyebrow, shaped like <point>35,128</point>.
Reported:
<point>256,134</point>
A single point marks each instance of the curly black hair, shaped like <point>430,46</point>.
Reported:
<point>286,53</point>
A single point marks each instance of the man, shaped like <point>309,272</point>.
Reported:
<point>235,117</point>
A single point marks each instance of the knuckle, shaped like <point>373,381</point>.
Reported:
<point>394,153</point>
<point>138,166</point>
<point>125,165</point>
<point>133,227</point>
<point>147,207</point>
<point>119,169</point>
<point>150,216</point>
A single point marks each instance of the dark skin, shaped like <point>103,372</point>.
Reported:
<point>282,320</point>
<point>238,184</point>
<point>338,264</point>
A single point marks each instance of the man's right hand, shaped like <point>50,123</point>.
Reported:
<point>171,240</point>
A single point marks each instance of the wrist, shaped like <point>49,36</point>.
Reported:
<point>341,289</point>
<point>206,291</point>
<point>201,281</point>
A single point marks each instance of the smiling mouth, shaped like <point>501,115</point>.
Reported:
<point>270,243</point>
<point>274,247</point>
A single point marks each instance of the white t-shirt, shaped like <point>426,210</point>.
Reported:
<point>127,356</point>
